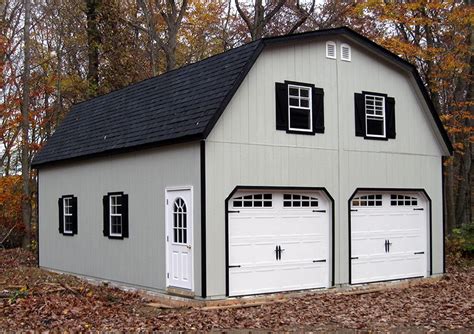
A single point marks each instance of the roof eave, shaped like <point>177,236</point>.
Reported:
<point>174,141</point>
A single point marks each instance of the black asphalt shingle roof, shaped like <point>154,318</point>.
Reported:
<point>180,105</point>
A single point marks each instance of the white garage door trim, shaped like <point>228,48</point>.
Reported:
<point>415,204</point>
<point>277,209</point>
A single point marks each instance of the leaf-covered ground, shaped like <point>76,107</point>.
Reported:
<point>31,298</point>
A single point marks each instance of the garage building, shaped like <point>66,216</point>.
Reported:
<point>296,162</point>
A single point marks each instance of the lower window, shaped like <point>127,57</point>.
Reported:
<point>115,215</point>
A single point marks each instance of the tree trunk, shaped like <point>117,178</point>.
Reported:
<point>258,22</point>
<point>150,18</point>
<point>449,184</point>
<point>173,18</point>
<point>25,126</point>
<point>465,161</point>
<point>93,43</point>
<point>170,53</point>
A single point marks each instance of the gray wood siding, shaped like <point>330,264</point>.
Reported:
<point>245,149</point>
<point>140,259</point>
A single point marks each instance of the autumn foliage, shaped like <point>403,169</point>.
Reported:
<point>83,48</point>
<point>10,211</point>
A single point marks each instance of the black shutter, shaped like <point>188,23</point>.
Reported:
<point>74,215</point>
<point>390,114</point>
<point>105,202</point>
<point>281,104</point>
<point>359,104</point>
<point>318,110</point>
<point>61,217</point>
<point>125,216</point>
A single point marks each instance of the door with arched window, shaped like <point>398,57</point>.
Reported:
<point>179,238</point>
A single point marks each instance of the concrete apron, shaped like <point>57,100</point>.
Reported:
<point>176,301</point>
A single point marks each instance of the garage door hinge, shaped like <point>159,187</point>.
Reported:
<point>233,211</point>
<point>418,209</point>
<point>319,210</point>
<point>416,253</point>
<point>314,261</point>
<point>355,258</point>
<point>235,266</point>
<point>353,210</point>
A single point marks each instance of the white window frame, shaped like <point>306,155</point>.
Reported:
<point>345,45</point>
<point>115,215</point>
<point>67,213</point>
<point>374,116</point>
<point>327,49</point>
<point>309,108</point>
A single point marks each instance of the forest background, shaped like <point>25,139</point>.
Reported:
<point>55,53</point>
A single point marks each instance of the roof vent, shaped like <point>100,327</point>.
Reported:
<point>345,52</point>
<point>331,50</point>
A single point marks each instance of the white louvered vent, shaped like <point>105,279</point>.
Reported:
<point>345,52</point>
<point>331,50</point>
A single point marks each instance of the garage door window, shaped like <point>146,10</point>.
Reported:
<point>402,200</point>
<point>253,201</point>
<point>297,201</point>
<point>367,200</point>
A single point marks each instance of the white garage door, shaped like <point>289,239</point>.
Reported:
<point>388,236</point>
<point>278,241</point>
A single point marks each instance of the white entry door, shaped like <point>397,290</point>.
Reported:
<point>179,238</point>
<point>388,236</point>
<point>278,241</point>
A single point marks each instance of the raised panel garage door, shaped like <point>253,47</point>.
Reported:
<point>389,236</point>
<point>278,241</point>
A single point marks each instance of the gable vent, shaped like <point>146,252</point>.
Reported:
<point>345,52</point>
<point>331,50</point>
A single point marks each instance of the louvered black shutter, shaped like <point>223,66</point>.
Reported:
<point>359,114</point>
<point>125,216</point>
<point>281,104</point>
<point>390,110</point>
<point>318,110</point>
<point>105,203</point>
<point>61,217</point>
<point>74,215</point>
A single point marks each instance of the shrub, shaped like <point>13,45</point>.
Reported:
<point>460,244</point>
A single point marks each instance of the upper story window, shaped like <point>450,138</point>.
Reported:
<point>345,52</point>
<point>299,108</point>
<point>375,116</point>
<point>331,49</point>
<point>67,215</point>
<point>116,215</point>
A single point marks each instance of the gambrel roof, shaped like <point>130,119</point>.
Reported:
<point>180,105</point>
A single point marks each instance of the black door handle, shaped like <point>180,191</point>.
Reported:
<point>276,252</point>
